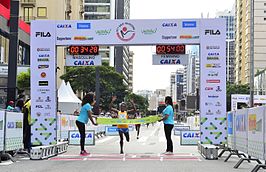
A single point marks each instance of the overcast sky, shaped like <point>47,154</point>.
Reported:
<point>149,77</point>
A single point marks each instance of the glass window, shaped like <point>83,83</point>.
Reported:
<point>97,9</point>
<point>28,14</point>
<point>42,12</point>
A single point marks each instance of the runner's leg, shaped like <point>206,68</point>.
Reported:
<point>121,142</point>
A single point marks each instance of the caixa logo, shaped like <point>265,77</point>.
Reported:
<point>77,135</point>
<point>43,34</point>
<point>212,32</point>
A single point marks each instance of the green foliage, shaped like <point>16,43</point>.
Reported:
<point>23,80</point>
<point>111,82</point>
<point>235,89</point>
<point>140,102</point>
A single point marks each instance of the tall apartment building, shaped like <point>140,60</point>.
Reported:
<point>230,43</point>
<point>242,48</point>
<point>191,71</point>
<point>119,56</point>
<point>52,10</point>
<point>177,84</point>
<point>97,10</point>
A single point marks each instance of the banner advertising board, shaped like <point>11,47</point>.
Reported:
<point>255,132</point>
<point>74,138</point>
<point>83,60</point>
<point>179,128</point>
<point>170,59</point>
<point>111,131</point>
<point>14,131</point>
<point>2,113</point>
<point>230,130</point>
<point>43,83</point>
<point>241,130</point>
<point>189,137</point>
<point>213,82</point>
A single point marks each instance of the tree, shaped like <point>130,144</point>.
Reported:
<point>235,89</point>
<point>111,82</point>
<point>140,102</point>
<point>23,80</point>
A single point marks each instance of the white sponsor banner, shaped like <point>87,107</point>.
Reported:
<point>127,32</point>
<point>83,60</point>
<point>74,137</point>
<point>189,137</point>
<point>179,128</point>
<point>170,59</point>
<point>213,81</point>
<point>14,131</point>
<point>231,129</point>
<point>244,98</point>
<point>43,83</point>
<point>2,113</point>
<point>241,130</point>
<point>256,132</point>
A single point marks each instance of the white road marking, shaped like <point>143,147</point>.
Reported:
<point>6,163</point>
<point>104,140</point>
<point>142,139</point>
<point>162,139</point>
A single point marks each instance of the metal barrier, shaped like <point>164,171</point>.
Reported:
<point>11,133</point>
<point>45,152</point>
<point>247,136</point>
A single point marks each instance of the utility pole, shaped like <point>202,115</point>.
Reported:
<point>13,50</point>
<point>251,53</point>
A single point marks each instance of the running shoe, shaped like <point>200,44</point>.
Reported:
<point>84,153</point>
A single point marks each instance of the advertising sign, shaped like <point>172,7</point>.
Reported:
<point>111,131</point>
<point>14,131</point>
<point>213,81</point>
<point>2,113</point>
<point>74,138</point>
<point>83,60</point>
<point>43,83</point>
<point>189,137</point>
<point>230,130</point>
<point>179,128</point>
<point>244,98</point>
<point>127,32</point>
<point>170,59</point>
<point>255,132</point>
<point>241,130</point>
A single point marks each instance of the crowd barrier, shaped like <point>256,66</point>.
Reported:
<point>11,132</point>
<point>246,133</point>
<point>67,123</point>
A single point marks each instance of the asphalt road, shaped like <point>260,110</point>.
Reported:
<point>142,155</point>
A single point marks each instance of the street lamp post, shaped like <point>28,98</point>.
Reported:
<point>251,53</point>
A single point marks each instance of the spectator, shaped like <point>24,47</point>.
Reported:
<point>19,106</point>
<point>10,105</point>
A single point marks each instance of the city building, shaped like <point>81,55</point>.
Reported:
<point>260,83</point>
<point>191,71</point>
<point>97,10</point>
<point>23,60</point>
<point>49,10</point>
<point>242,41</point>
<point>230,43</point>
<point>177,84</point>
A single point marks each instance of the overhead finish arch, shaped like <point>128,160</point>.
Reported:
<point>210,34</point>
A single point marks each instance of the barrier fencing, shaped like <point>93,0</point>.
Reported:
<point>246,135</point>
<point>11,132</point>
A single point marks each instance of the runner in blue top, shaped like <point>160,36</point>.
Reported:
<point>168,120</point>
<point>83,118</point>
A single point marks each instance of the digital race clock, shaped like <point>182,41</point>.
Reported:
<point>171,49</point>
<point>83,50</point>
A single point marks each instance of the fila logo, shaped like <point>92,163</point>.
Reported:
<point>43,34</point>
<point>212,32</point>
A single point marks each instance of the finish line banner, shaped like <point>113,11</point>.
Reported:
<point>116,121</point>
